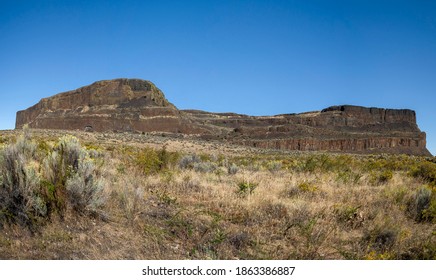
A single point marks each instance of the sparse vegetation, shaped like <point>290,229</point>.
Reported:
<point>119,198</point>
<point>31,192</point>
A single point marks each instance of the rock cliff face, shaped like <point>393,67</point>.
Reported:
<point>117,105</point>
<point>139,106</point>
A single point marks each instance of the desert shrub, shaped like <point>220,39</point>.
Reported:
<point>422,206</point>
<point>58,166</point>
<point>199,164</point>
<point>43,148</point>
<point>20,197</point>
<point>274,210</point>
<point>348,215</point>
<point>307,186</point>
<point>204,167</point>
<point>232,169</point>
<point>326,162</point>
<point>420,247</point>
<point>239,240</point>
<point>166,197</point>
<point>63,161</point>
<point>254,167</point>
<point>151,161</point>
<point>323,163</point>
<point>387,162</point>
<point>347,176</point>
<point>167,177</point>
<point>70,151</point>
<point>330,163</point>
<point>274,166</point>
<point>399,163</point>
<point>129,198</point>
<point>311,232</point>
<point>299,214</point>
<point>167,159</point>
<point>188,161</point>
<point>246,187</point>
<point>379,241</point>
<point>374,163</point>
<point>148,161</point>
<point>301,188</point>
<point>397,194</point>
<point>429,214</point>
<point>95,153</point>
<point>426,171</point>
<point>308,165</point>
<point>380,177</point>
<point>70,178</point>
<point>84,189</point>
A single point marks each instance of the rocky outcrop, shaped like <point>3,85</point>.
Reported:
<point>117,105</point>
<point>139,106</point>
<point>346,128</point>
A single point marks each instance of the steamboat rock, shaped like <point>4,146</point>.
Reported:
<point>135,105</point>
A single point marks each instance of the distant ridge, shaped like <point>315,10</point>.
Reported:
<point>136,105</point>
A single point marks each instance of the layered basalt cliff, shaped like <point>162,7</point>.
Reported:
<point>116,105</point>
<point>139,106</point>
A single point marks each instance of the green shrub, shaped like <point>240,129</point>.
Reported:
<point>426,171</point>
<point>307,186</point>
<point>245,187</point>
<point>397,194</point>
<point>309,165</point>
<point>148,161</point>
<point>429,214</point>
<point>326,162</point>
<point>152,161</point>
<point>381,177</point>
<point>43,148</point>
<point>348,177</point>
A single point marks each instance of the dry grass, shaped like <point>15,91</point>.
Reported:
<point>275,206</point>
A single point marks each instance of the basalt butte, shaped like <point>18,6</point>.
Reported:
<point>134,105</point>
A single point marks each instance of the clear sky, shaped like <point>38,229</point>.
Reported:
<point>252,57</point>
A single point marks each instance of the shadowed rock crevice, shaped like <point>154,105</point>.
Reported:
<point>136,105</point>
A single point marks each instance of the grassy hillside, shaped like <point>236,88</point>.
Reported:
<point>127,196</point>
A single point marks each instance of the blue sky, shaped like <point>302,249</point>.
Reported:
<point>252,57</point>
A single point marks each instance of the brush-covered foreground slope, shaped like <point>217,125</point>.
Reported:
<point>136,105</point>
<point>133,196</point>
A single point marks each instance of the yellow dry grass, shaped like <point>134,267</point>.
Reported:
<point>178,213</point>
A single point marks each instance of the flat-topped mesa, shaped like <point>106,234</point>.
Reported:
<point>363,115</point>
<point>138,105</point>
<point>346,128</point>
